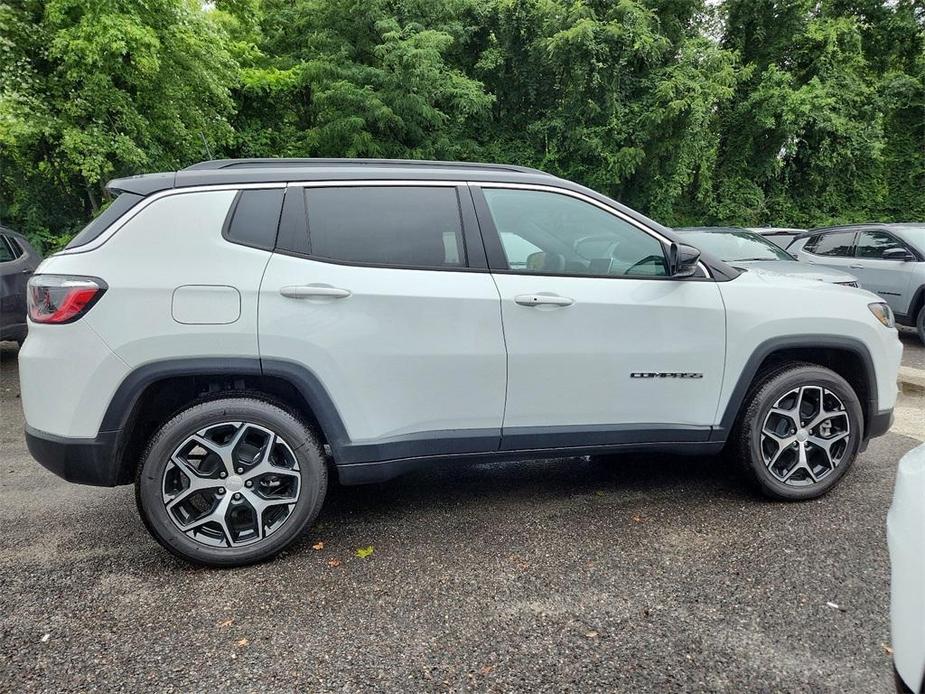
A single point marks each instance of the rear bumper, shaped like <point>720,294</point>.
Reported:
<point>79,460</point>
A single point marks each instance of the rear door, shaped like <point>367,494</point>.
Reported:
<point>890,279</point>
<point>603,347</point>
<point>386,300</point>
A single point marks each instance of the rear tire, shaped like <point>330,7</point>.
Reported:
<point>799,433</point>
<point>231,482</point>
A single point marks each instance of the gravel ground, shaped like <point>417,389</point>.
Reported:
<point>913,349</point>
<point>647,575</point>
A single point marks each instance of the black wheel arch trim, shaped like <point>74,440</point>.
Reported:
<point>776,344</point>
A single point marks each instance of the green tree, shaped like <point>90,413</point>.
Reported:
<point>101,88</point>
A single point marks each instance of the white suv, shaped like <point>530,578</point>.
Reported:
<point>229,335</point>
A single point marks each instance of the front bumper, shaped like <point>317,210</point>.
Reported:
<point>79,460</point>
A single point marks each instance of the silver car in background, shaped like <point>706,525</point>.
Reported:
<point>745,249</point>
<point>905,526</point>
<point>888,259</point>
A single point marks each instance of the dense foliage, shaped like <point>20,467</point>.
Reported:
<point>780,112</point>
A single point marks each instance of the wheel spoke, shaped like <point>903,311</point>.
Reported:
<point>216,516</point>
<point>260,505</point>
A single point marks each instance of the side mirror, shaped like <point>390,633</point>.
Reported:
<point>900,254</point>
<point>682,260</point>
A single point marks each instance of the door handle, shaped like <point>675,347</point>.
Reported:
<point>542,300</point>
<point>856,267</point>
<point>314,291</point>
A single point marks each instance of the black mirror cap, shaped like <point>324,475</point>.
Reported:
<point>682,260</point>
<point>897,254</point>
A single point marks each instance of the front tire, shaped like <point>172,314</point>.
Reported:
<point>800,432</point>
<point>231,482</point>
<point>920,324</point>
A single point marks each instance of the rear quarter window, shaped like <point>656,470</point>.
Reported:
<point>254,218</point>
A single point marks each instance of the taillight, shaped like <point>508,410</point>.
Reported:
<point>62,298</point>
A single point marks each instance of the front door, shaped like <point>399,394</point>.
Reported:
<point>602,346</point>
<point>888,278</point>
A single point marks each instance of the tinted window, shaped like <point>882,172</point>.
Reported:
<point>6,253</point>
<point>571,237</point>
<point>835,243</point>
<point>254,218</point>
<point>872,244</point>
<point>116,209</point>
<point>403,226</point>
<point>14,245</point>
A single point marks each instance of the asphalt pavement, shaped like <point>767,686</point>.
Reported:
<point>649,574</point>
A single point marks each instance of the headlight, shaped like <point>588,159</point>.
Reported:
<point>884,313</point>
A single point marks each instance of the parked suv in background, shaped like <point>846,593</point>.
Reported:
<point>747,250</point>
<point>888,259</point>
<point>18,260</point>
<point>223,334</point>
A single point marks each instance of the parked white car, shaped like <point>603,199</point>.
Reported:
<point>906,537</point>
<point>228,335</point>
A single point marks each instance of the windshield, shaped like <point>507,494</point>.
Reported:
<point>739,245</point>
<point>914,234</point>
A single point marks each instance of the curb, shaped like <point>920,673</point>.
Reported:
<point>911,380</point>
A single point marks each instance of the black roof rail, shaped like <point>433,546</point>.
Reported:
<point>853,225</point>
<point>272,162</point>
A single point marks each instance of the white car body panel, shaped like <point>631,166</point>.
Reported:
<point>906,538</point>
<point>790,307</point>
<point>408,351</point>
<point>572,365</point>
<point>179,238</point>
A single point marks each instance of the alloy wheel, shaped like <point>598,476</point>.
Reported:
<point>805,435</point>
<point>231,484</point>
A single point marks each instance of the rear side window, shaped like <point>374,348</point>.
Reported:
<point>254,218</point>
<point>872,244</point>
<point>838,243</point>
<point>399,226</point>
<point>6,252</point>
<point>116,209</point>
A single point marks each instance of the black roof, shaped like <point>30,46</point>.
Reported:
<point>232,171</point>
<point>712,230</point>
<point>863,225</point>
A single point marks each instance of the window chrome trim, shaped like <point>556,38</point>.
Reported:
<point>597,203</point>
<point>328,183</point>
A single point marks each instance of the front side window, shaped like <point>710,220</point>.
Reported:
<point>872,244</point>
<point>401,226</point>
<point>838,243</point>
<point>553,233</point>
